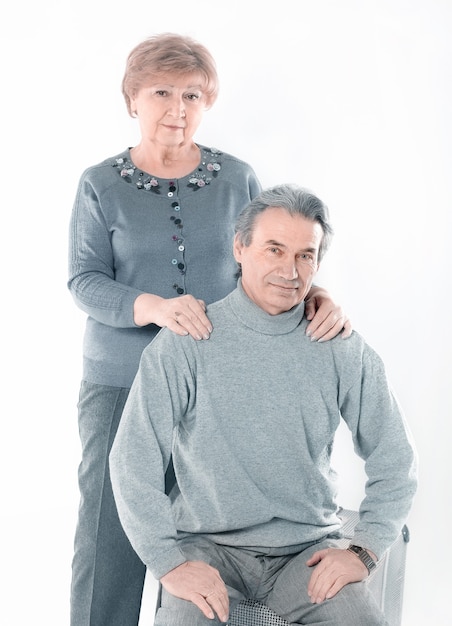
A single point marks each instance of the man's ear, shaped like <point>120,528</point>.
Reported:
<point>237,248</point>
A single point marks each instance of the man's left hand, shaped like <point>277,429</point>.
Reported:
<point>335,569</point>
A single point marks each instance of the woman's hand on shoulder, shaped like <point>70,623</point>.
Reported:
<point>327,319</point>
<point>184,315</point>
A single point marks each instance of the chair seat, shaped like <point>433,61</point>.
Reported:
<point>252,613</point>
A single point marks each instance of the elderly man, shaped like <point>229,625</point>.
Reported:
<point>249,418</point>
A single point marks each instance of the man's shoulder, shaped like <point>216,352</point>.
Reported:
<point>219,306</point>
<point>353,352</point>
<point>350,347</point>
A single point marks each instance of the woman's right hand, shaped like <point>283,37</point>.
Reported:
<point>184,315</point>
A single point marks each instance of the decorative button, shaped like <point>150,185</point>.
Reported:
<point>181,248</point>
<point>174,261</point>
<point>210,162</point>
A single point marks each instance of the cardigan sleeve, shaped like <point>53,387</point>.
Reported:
<point>91,263</point>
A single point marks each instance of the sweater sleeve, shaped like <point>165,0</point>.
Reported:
<point>141,451</point>
<point>381,437</point>
<point>91,263</point>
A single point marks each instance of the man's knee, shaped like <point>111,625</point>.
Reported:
<point>175,611</point>
<point>353,604</point>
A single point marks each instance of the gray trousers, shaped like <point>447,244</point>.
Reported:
<point>279,582</point>
<point>107,575</point>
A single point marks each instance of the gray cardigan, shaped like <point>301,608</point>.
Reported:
<point>254,411</point>
<point>132,233</point>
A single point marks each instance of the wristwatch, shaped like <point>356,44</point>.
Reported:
<point>363,556</point>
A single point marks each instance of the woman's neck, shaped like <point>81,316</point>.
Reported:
<point>164,161</point>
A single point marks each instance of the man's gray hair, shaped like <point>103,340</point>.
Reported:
<point>296,201</point>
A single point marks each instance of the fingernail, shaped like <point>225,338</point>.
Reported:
<point>308,333</point>
<point>313,338</point>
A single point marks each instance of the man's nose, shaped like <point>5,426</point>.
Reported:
<point>289,270</point>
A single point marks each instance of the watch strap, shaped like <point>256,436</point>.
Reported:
<point>363,556</point>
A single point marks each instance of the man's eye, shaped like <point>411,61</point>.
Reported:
<point>305,257</point>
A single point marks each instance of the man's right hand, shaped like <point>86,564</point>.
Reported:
<point>201,584</point>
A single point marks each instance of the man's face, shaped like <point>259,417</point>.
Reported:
<point>279,265</point>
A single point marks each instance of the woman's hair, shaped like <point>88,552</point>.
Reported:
<point>296,201</point>
<point>169,53</point>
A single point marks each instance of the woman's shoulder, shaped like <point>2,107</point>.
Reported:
<point>213,154</point>
<point>106,166</point>
<point>230,170</point>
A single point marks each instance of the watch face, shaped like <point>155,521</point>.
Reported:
<point>364,556</point>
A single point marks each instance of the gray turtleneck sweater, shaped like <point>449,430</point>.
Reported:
<point>249,417</point>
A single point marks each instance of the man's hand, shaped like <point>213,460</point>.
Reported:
<point>335,569</point>
<point>201,584</point>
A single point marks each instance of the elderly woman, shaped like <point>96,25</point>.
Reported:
<point>150,244</point>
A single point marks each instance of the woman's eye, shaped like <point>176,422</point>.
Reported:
<point>192,96</point>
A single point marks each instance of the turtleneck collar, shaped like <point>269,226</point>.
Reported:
<point>251,315</point>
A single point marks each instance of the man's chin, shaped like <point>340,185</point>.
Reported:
<point>282,305</point>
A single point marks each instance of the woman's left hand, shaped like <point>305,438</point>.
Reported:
<point>326,317</point>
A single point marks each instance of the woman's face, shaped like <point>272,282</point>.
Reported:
<point>170,108</point>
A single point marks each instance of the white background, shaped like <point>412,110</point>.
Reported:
<point>350,98</point>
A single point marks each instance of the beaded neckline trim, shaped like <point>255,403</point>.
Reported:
<point>208,169</point>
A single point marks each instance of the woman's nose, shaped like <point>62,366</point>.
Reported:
<point>177,108</point>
